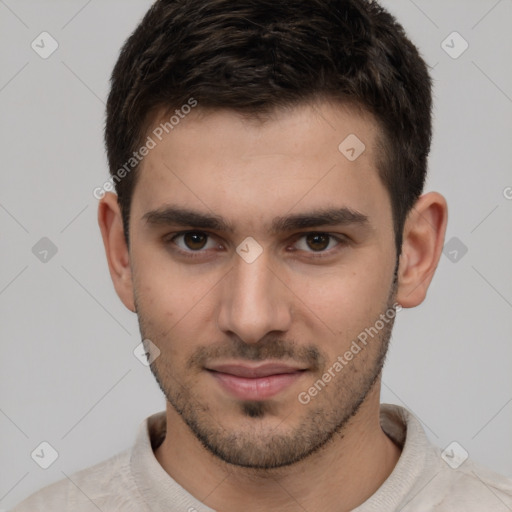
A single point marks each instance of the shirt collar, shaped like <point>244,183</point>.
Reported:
<point>163,493</point>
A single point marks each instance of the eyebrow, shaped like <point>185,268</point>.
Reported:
<point>176,216</point>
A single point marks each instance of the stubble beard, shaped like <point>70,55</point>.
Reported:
<point>257,445</point>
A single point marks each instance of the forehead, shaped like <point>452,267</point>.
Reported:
<point>299,158</point>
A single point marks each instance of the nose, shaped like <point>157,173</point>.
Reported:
<point>254,301</point>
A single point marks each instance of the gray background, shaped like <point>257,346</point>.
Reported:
<point>67,370</point>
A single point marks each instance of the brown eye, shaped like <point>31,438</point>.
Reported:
<point>193,244</point>
<point>195,240</point>
<point>318,241</point>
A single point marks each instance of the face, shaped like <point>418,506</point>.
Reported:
<point>259,254</point>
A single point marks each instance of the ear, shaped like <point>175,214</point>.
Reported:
<point>423,240</point>
<point>118,256</point>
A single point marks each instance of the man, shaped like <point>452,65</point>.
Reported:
<point>269,160</point>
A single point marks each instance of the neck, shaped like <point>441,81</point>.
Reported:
<point>340,476</point>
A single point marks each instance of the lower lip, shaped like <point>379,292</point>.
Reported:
<point>257,388</point>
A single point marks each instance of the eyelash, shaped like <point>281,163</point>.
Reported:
<point>170,240</point>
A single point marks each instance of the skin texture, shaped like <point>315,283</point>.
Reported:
<point>302,301</point>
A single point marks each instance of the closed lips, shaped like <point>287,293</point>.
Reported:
<point>255,372</point>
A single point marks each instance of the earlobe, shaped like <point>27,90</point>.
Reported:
<point>118,257</point>
<point>423,240</point>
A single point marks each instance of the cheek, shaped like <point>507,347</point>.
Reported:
<point>162,290</point>
<point>172,302</point>
<point>344,301</point>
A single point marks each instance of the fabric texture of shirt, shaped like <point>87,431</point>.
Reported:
<point>422,481</point>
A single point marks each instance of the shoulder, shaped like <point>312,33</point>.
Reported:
<point>474,487</point>
<point>106,486</point>
<point>426,478</point>
<point>467,488</point>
